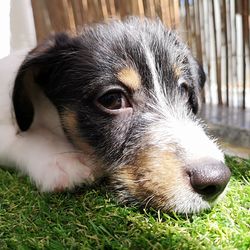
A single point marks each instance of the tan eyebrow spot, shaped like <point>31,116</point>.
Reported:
<point>177,71</point>
<point>130,78</point>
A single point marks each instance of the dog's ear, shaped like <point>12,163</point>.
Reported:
<point>201,76</point>
<point>39,61</point>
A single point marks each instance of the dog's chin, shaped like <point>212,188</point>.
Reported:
<point>168,191</point>
<point>181,201</point>
<point>187,203</point>
<point>192,203</point>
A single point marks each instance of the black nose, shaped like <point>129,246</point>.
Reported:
<point>209,178</point>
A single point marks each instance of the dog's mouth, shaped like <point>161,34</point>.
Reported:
<point>162,181</point>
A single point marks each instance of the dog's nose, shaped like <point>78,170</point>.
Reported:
<point>209,179</point>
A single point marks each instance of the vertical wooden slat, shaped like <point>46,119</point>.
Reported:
<point>172,13</point>
<point>241,57</point>
<point>198,30</point>
<point>203,42</point>
<point>230,50</point>
<point>198,37</point>
<point>141,8</point>
<point>208,40</point>
<point>188,23</point>
<point>239,46</point>
<point>234,55</point>
<point>225,45</point>
<point>57,17</point>
<point>123,7</point>
<point>77,12</point>
<point>42,24</point>
<point>84,9</point>
<point>149,8</point>
<point>166,11</point>
<point>162,11</point>
<point>104,9</point>
<point>69,15</point>
<point>137,7</point>
<point>111,8</point>
<point>158,10</point>
<point>193,22</point>
<point>94,11</point>
<point>217,57</point>
<point>175,15</point>
<point>246,41</point>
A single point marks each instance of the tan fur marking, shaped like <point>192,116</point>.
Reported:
<point>70,122</point>
<point>177,71</point>
<point>130,77</point>
<point>154,177</point>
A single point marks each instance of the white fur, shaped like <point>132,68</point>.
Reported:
<point>175,125</point>
<point>174,129</point>
<point>43,152</point>
<point>159,96</point>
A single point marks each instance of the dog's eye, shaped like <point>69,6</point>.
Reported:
<point>183,88</point>
<point>114,100</point>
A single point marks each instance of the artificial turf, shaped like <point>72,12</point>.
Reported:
<point>92,219</point>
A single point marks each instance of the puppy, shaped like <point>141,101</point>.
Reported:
<point>118,100</point>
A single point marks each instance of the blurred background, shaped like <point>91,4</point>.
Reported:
<point>217,31</point>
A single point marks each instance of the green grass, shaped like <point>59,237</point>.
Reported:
<point>91,219</point>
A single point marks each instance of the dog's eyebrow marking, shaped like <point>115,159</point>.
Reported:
<point>177,71</point>
<point>130,78</point>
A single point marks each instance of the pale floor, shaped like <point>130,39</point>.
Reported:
<point>231,126</point>
<point>233,150</point>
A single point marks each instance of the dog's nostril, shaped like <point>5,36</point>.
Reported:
<point>208,191</point>
<point>209,179</point>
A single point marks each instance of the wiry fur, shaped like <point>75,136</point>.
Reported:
<point>61,135</point>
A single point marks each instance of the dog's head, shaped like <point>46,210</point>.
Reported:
<point>130,91</point>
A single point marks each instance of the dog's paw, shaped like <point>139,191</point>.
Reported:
<point>64,171</point>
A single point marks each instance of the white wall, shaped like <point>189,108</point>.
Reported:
<point>4,28</point>
<point>17,30</point>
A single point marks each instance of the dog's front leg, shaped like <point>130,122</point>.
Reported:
<point>51,162</point>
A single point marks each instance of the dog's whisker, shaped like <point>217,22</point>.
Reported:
<point>71,152</point>
<point>148,200</point>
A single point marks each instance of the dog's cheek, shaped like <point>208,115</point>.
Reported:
<point>71,127</point>
<point>152,180</point>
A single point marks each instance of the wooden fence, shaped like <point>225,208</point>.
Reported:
<point>59,15</point>
<point>216,30</point>
<point>218,33</point>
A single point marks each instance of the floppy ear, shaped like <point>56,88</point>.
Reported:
<point>201,76</point>
<point>39,61</point>
<point>23,108</point>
